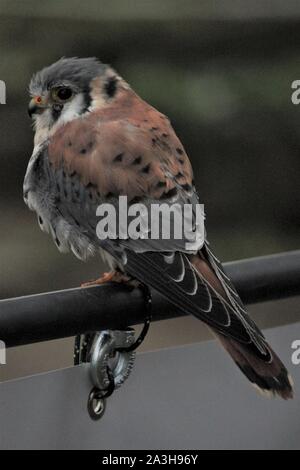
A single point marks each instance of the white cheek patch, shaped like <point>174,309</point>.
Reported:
<point>71,110</point>
<point>44,124</point>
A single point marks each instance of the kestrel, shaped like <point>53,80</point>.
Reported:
<point>95,140</point>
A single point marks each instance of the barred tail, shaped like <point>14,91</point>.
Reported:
<point>271,378</point>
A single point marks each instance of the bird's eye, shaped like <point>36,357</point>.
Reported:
<point>62,93</point>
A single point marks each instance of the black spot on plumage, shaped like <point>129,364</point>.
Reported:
<point>171,193</point>
<point>154,141</point>
<point>119,157</point>
<point>179,175</point>
<point>146,169</point>
<point>83,151</point>
<point>57,241</point>
<point>161,184</point>
<point>111,86</point>
<point>181,161</point>
<point>137,160</point>
<point>186,187</point>
<point>136,200</point>
<point>109,195</point>
<point>154,128</point>
<point>179,151</point>
<point>40,220</point>
<point>90,186</point>
<point>165,135</point>
<point>73,174</point>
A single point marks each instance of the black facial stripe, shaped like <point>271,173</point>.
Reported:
<point>56,111</point>
<point>87,101</point>
<point>111,86</point>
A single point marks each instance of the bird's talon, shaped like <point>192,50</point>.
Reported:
<point>148,301</point>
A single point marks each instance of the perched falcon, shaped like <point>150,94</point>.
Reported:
<point>96,139</point>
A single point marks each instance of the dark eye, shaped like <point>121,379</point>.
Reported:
<point>62,93</point>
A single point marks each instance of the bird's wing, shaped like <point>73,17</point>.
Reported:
<point>144,160</point>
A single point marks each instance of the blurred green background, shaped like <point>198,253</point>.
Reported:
<point>222,72</point>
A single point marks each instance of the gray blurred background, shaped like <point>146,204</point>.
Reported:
<point>222,72</point>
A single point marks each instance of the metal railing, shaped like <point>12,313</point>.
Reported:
<point>54,315</point>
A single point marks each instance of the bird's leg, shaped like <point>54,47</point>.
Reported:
<point>112,276</point>
<point>148,317</point>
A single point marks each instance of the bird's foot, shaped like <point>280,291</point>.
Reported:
<point>82,341</point>
<point>112,276</point>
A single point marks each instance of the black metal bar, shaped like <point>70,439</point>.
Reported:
<point>61,314</point>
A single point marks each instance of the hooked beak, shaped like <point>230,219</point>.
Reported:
<point>36,106</point>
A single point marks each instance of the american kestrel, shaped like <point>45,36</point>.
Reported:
<point>95,140</point>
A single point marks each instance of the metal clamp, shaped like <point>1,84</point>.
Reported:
<point>109,367</point>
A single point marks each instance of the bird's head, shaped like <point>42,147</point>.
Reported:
<point>67,89</point>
